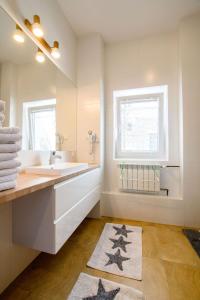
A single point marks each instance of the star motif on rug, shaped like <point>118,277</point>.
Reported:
<point>120,243</point>
<point>122,231</point>
<point>116,259</point>
<point>102,294</point>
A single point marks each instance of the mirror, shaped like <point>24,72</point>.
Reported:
<point>39,98</point>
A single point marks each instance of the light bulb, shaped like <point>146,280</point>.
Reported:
<point>55,53</point>
<point>37,30</point>
<point>36,27</point>
<point>18,35</point>
<point>55,50</point>
<point>40,57</point>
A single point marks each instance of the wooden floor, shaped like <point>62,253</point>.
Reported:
<point>171,268</point>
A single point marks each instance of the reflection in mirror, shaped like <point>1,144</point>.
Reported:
<point>40,99</point>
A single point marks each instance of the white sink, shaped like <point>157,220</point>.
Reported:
<point>57,169</point>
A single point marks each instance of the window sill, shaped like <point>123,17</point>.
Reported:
<point>162,163</point>
<point>141,161</point>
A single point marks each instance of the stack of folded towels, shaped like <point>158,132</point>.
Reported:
<point>10,138</point>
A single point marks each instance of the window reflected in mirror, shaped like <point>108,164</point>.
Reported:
<point>39,135</point>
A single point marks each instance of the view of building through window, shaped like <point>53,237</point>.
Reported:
<point>39,125</point>
<point>140,123</point>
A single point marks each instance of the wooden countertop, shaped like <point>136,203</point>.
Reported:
<point>29,183</point>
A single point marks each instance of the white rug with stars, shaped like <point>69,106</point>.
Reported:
<point>119,251</point>
<point>92,288</point>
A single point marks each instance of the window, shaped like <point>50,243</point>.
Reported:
<point>39,125</point>
<point>140,130</point>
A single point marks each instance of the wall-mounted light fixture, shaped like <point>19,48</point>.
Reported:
<point>40,57</point>
<point>36,29</point>
<point>19,35</point>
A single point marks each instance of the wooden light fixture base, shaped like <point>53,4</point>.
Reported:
<point>43,42</point>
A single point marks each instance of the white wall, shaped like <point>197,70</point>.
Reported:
<point>145,62</point>
<point>13,258</point>
<point>90,68</point>
<point>56,27</point>
<point>190,71</point>
<point>150,61</point>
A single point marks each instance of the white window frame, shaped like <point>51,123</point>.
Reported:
<point>142,94</point>
<point>26,127</point>
<point>31,129</point>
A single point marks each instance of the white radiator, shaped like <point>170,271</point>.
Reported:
<point>140,178</point>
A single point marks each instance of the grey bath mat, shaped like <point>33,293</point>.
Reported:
<point>194,238</point>
<point>92,288</point>
<point>119,251</point>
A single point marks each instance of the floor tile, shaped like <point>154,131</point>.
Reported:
<point>183,281</point>
<point>174,247</point>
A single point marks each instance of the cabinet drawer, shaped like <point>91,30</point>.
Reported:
<point>66,225</point>
<point>69,193</point>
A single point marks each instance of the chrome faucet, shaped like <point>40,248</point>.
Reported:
<point>53,157</point>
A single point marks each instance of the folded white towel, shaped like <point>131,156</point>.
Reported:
<point>9,138</point>
<point>8,178</point>
<point>9,164</point>
<point>7,156</point>
<point>9,148</point>
<point>7,185</point>
<point>9,130</point>
<point>6,172</point>
<point>2,105</point>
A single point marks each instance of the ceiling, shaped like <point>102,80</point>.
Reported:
<point>120,20</point>
<point>12,51</point>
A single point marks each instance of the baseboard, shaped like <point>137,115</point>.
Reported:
<point>158,209</point>
<point>95,213</point>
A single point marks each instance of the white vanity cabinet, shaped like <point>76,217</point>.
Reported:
<point>44,220</point>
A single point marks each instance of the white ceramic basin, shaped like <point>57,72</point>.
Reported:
<point>57,169</point>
